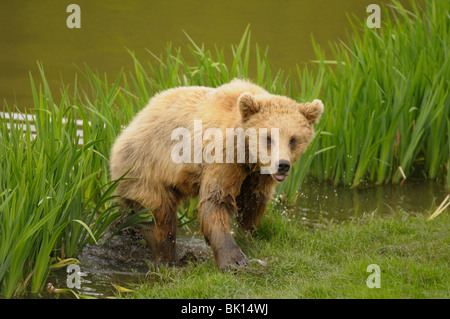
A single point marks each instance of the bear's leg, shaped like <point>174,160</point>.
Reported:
<point>219,188</point>
<point>250,210</point>
<point>255,194</point>
<point>215,226</point>
<point>160,235</point>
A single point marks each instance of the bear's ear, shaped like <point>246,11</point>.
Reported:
<point>247,105</point>
<point>312,111</point>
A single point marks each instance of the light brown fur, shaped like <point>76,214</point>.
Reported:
<point>154,180</point>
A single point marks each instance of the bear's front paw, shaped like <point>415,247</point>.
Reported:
<point>231,259</point>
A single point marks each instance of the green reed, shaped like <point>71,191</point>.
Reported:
<point>54,193</point>
<point>386,97</point>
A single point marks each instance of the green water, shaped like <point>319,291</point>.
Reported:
<point>32,31</point>
<point>318,201</point>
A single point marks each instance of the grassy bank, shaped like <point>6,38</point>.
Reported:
<point>328,261</point>
<point>387,111</point>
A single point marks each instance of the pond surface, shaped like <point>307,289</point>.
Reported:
<point>32,31</point>
<point>322,200</point>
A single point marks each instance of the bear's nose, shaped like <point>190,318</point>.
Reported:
<point>283,166</point>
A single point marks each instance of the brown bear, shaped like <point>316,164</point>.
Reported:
<point>145,149</point>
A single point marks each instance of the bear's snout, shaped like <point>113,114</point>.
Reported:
<point>283,166</point>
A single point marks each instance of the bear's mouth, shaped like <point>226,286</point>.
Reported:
<point>279,177</point>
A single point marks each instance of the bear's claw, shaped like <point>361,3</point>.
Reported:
<point>233,260</point>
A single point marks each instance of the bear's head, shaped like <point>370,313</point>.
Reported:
<point>284,130</point>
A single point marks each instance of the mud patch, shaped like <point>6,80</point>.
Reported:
<point>128,251</point>
<point>124,260</point>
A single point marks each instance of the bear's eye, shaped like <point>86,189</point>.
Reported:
<point>292,142</point>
